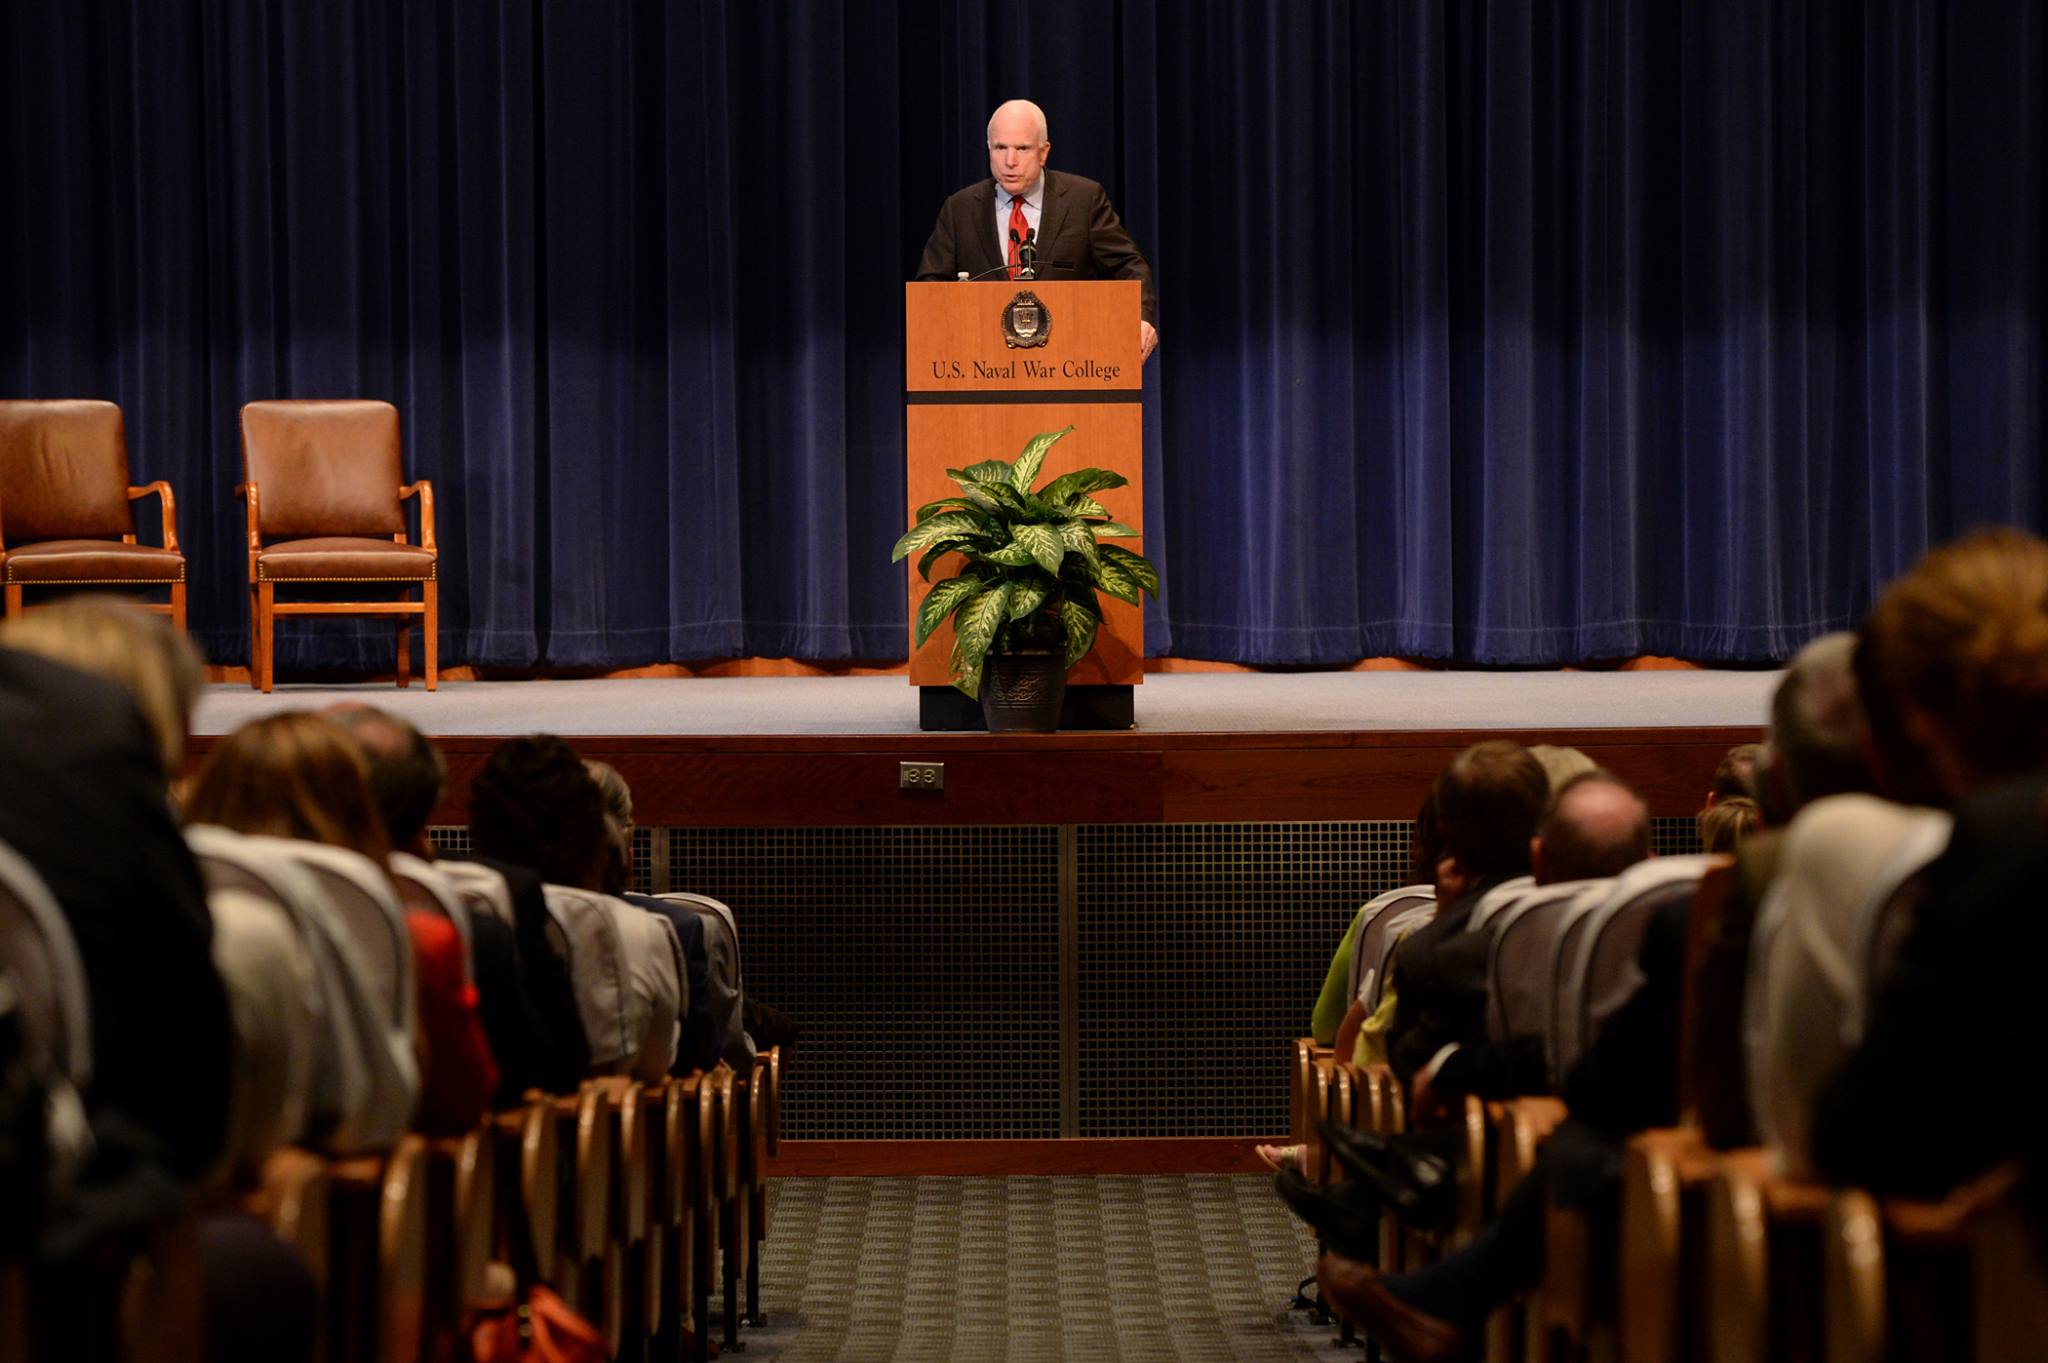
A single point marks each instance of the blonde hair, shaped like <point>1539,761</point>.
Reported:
<point>1723,827</point>
<point>118,640</point>
<point>292,775</point>
<point>1963,640</point>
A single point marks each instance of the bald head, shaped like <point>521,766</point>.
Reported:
<point>406,770</point>
<point>1017,145</point>
<point>1021,119</point>
<point>1597,826</point>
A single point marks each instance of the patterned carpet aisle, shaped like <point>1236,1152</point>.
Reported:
<point>996,1269</point>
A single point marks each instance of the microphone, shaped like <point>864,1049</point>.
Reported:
<point>1027,254</point>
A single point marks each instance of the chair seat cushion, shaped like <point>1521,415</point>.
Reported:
<point>92,561</point>
<point>342,558</point>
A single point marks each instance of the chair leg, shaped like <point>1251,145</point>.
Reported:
<point>405,643</point>
<point>704,1250</point>
<point>266,614</point>
<point>430,594</point>
<point>734,1230</point>
<point>255,640</point>
<point>178,606</point>
<point>14,598</point>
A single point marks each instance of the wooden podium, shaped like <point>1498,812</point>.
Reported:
<point>970,394</point>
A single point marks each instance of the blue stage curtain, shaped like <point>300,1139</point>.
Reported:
<point>1513,334</point>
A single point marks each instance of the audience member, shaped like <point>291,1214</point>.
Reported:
<point>535,803</point>
<point>1624,1083</point>
<point>1489,800</point>
<point>406,776</point>
<point>1735,777</point>
<point>1957,653</point>
<point>1724,824</point>
<point>89,809</point>
<point>1596,826</point>
<point>1560,764</point>
<point>699,1046</point>
<point>88,753</point>
<point>1815,750</point>
<point>300,776</point>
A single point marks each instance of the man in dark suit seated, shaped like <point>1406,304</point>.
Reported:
<point>986,227</point>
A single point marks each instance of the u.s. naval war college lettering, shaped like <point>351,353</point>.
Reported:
<point>1017,368</point>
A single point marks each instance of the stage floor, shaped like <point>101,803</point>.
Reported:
<point>1167,703</point>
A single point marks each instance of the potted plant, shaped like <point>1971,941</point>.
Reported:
<point>1023,604</point>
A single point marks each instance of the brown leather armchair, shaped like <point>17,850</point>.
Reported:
<point>67,515</point>
<point>323,484</point>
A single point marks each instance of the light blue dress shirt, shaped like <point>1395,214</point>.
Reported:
<point>1034,202</point>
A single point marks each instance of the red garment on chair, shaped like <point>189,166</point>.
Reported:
<point>457,1073</point>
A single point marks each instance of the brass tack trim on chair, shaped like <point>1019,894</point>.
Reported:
<point>262,576</point>
<point>95,581</point>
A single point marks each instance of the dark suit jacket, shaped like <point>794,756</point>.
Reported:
<point>1948,1080</point>
<point>83,799</point>
<point>1079,237</point>
<point>1439,974</point>
<point>697,1048</point>
<point>550,1051</point>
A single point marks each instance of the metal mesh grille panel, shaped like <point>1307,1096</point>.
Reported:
<point>1201,949</point>
<point>1674,837</point>
<point>922,964</point>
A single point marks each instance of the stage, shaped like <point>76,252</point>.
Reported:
<point>1167,703</point>
<point>1086,954</point>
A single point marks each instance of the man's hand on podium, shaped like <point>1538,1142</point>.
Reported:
<point>1148,340</point>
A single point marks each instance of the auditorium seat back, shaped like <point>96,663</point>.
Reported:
<point>620,958</point>
<point>1406,910</point>
<point>1597,965</point>
<point>1521,981</point>
<point>366,1076</point>
<point>481,889</point>
<point>39,960</point>
<point>364,897</point>
<point>423,889</point>
<point>1497,900</point>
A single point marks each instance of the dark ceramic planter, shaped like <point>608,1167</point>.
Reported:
<point>1021,693</point>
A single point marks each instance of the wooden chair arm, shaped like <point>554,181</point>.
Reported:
<point>163,490</point>
<point>424,490</point>
<point>774,1073</point>
<point>252,499</point>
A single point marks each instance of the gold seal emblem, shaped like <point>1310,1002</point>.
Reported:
<point>1026,323</point>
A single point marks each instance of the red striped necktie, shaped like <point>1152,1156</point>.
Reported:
<point>1019,230</point>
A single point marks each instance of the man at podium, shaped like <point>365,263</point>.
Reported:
<point>1027,216</point>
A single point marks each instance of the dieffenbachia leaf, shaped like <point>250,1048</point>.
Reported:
<point>1045,545</point>
<point>929,507</point>
<point>931,531</point>
<point>1079,538</point>
<point>1079,482</point>
<point>1025,471</point>
<point>936,552</point>
<point>1137,565</point>
<point>974,627</point>
<point>987,471</point>
<point>941,602</point>
<point>1113,578</point>
<point>1080,625</point>
<point>1112,530</point>
<point>1027,597</point>
<point>1015,554</point>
